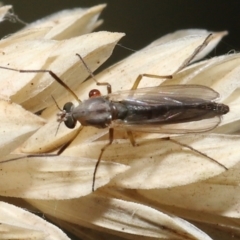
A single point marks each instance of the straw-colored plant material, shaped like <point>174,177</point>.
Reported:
<point>158,163</point>
<point>129,218</point>
<point>4,11</point>
<point>16,126</point>
<point>34,90</point>
<point>17,223</point>
<point>7,14</point>
<point>70,23</point>
<point>140,191</point>
<point>59,26</point>
<point>54,178</point>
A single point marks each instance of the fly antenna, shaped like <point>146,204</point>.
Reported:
<point>56,103</point>
<point>60,111</point>
<point>58,128</point>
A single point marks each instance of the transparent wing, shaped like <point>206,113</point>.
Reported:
<point>177,128</point>
<point>168,109</point>
<point>178,91</point>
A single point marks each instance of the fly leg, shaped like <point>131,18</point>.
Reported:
<point>196,151</point>
<point>139,78</point>
<point>46,154</point>
<point>134,87</point>
<point>131,138</point>
<point>55,77</point>
<point>70,91</point>
<point>195,52</point>
<point>182,66</point>
<point>109,87</point>
<point>52,74</point>
<point>111,131</point>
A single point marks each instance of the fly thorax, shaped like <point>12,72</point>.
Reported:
<point>94,112</point>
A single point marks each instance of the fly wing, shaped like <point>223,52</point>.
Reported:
<point>171,116</point>
<point>178,91</point>
<point>176,128</point>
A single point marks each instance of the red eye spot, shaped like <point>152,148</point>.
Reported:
<point>94,93</point>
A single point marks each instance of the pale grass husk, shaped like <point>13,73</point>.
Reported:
<point>14,130</point>
<point>17,223</point>
<point>128,219</point>
<point>143,189</point>
<point>4,11</point>
<point>63,177</point>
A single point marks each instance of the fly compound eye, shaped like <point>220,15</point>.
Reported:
<point>94,93</point>
<point>68,107</point>
<point>70,122</point>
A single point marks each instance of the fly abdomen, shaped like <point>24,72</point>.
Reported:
<point>218,108</point>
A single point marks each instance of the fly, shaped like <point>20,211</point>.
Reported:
<point>167,109</point>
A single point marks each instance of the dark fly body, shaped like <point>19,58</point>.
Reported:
<point>165,109</point>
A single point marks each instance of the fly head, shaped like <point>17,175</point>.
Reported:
<point>66,115</point>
